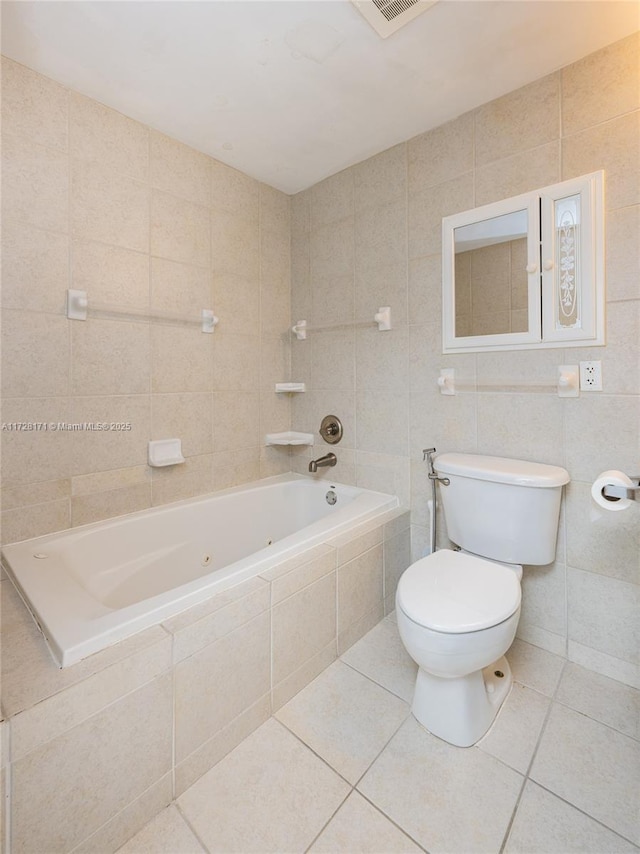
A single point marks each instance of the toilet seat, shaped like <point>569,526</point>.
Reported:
<point>453,592</point>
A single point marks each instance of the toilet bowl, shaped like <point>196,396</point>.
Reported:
<point>457,615</point>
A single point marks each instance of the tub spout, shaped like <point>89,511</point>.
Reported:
<point>327,460</point>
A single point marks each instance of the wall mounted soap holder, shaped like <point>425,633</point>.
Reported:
<point>290,388</point>
<point>289,437</point>
<point>165,452</point>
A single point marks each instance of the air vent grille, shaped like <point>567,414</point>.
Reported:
<point>387,16</point>
<point>392,8</point>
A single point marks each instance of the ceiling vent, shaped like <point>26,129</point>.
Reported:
<point>387,16</point>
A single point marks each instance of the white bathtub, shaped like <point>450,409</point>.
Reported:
<point>92,586</point>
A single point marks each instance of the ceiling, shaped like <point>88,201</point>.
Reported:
<point>291,91</point>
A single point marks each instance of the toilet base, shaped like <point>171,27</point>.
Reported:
<point>461,710</point>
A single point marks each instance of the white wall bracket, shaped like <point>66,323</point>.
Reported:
<point>383,318</point>
<point>447,381</point>
<point>568,381</point>
<point>77,304</point>
<point>209,321</point>
<point>300,330</point>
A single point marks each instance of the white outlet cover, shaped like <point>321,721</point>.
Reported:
<point>591,376</point>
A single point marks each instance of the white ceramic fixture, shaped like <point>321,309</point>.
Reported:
<point>458,611</point>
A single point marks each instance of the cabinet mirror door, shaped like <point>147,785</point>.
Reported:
<point>491,262</point>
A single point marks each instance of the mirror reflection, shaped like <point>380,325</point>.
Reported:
<point>491,283</point>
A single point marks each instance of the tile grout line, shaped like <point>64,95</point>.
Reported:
<point>311,750</point>
<point>566,705</point>
<point>353,785</point>
<point>526,777</point>
<point>329,820</point>
<point>371,679</point>
<point>586,814</point>
<point>8,794</point>
<point>190,826</point>
<point>371,764</point>
<point>390,820</point>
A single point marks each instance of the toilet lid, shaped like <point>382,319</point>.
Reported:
<point>454,592</point>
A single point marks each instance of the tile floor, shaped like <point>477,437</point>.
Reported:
<point>345,768</point>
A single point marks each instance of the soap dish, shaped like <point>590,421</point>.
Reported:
<point>290,437</point>
<point>290,388</point>
<point>165,452</point>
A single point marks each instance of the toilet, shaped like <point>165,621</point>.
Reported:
<point>458,611</point>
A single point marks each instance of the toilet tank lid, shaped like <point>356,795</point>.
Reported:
<point>501,470</point>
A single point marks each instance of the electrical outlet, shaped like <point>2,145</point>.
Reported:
<point>591,376</point>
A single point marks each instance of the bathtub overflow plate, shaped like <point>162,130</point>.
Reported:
<point>331,497</point>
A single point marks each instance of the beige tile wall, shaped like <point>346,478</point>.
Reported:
<point>370,236</point>
<point>96,201</point>
<point>96,750</point>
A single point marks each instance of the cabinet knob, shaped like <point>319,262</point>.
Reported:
<point>548,264</point>
<point>532,268</point>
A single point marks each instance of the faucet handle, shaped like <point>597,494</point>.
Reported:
<point>331,429</point>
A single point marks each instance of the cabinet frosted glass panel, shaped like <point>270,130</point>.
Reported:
<point>490,276</point>
<point>573,262</point>
<point>526,272</point>
<point>567,262</point>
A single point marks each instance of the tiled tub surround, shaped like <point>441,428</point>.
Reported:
<point>93,586</point>
<point>371,235</point>
<point>99,748</point>
<point>96,201</point>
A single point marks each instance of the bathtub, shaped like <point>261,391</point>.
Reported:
<point>92,586</point>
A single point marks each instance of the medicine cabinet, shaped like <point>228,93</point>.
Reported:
<point>526,272</point>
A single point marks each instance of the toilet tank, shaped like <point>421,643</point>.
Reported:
<point>502,509</point>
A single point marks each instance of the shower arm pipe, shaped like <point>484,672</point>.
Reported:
<point>427,456</point>
<point>382,318</point>
<point>78,307</point>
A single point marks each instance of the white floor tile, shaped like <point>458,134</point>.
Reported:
<point>546,825</point>
<point>593,767</point>
<point>167,833</point>
<point>359,828</point>
<point>274,794</point>
<point>603,699</point>
<point>534,667</point>
<point>270,794</point>
<point>514,734</point>
<point>446,798</point>
<point>345,718</point>
<point>381,656</point>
